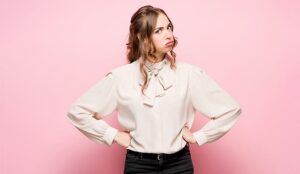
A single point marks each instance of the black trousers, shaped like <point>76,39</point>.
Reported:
<point>146,163</point>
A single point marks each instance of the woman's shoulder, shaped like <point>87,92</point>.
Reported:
<point>124,70</point>
<point>182,65</point>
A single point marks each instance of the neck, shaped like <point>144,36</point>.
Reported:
<point>159,58</point>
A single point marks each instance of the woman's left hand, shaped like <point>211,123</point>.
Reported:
<point>187,135</point>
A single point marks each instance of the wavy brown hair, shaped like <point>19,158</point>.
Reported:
<point>140,45</point>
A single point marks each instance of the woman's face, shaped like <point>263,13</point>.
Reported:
<point>162,36</point>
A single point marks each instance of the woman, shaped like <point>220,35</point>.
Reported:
<point>156,99</point>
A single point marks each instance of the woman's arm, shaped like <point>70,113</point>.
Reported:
<point>213,102</point>
<point>88,111</point>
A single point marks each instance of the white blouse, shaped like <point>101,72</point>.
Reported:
<point>155,120</point>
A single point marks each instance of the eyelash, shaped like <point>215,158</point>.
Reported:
<point>170,26</point>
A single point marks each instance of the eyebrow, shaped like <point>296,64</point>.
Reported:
<point>163,27</point>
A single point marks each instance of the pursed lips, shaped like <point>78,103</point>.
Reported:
<point>170,43</point>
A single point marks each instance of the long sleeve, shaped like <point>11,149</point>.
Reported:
<point>98,101</point>
<point>213,102</point>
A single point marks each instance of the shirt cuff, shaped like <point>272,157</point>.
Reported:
<point>200,137</point>
<point>109,135</point>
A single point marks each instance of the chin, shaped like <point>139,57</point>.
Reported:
<point>167,50</point>
<point>164,51</point>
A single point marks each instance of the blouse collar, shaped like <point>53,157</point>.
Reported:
<point>158,81</point>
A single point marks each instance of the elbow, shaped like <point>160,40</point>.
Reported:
<point>76,113</point>
<point>72,112</point>
<point>238,110</point>
<point>79,115</point>
<point>230,121</point>
<point>75,116</point>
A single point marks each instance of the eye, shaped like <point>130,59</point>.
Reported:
<point>170,27</point>
<point>158,31</point>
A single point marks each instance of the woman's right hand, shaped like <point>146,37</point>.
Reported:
<point>123,139</point>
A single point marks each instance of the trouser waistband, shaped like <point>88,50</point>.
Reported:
<point>158,156</point>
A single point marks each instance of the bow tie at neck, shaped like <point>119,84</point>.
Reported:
<point>158,82</point>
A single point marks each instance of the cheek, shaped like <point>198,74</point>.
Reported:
<point>155,41</point>
<point>158,42</point>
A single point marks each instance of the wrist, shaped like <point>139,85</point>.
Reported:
<point>116,137</point>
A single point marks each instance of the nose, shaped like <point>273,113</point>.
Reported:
<point>169,34</point>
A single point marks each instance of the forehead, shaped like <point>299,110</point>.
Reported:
<point>162,20</point>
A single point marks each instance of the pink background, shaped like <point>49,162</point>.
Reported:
<point>52,51</point>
